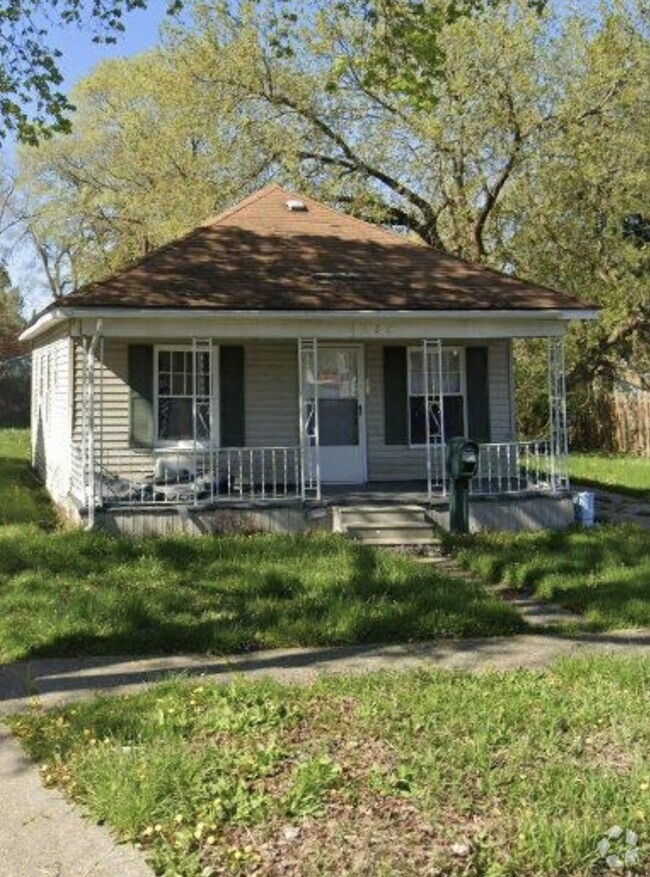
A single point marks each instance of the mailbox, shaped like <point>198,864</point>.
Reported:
<point>462,463</point>
<point>462,460</point>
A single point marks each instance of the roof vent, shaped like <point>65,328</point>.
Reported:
<point>296,206</point>
<point>337,275</point>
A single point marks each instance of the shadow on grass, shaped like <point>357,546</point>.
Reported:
<point>639,493</point>
<point>603,572</point>
<point>76,593</point>
<point>23,499</point>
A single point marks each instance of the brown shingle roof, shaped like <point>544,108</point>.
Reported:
<point>261,255</point>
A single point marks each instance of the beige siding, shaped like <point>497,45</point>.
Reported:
<point>386,462</point>
<point>271,388</point>
<point>501,392</point>
<point>271,394</point>
<point>112,403</point>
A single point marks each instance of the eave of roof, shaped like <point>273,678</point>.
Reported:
<point>53,316</point>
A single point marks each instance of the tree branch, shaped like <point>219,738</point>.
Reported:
<point>428,228</point>
<point>604,358</point>
<point>492,193</point>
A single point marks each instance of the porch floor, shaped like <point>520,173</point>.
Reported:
<point>415,492</point>
<point>376,493</point>
<point>373,493</point>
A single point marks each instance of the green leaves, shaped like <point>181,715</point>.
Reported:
<point>30,103</point>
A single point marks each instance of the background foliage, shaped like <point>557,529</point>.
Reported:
<point>508,133</point>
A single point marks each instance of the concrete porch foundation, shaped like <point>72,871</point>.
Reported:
<point>513,513</point>
<point>375,506</point>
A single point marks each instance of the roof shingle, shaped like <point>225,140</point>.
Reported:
<point>259,255</point>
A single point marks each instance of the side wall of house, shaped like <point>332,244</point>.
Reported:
<point>271,407</point>
<point>51,416</point>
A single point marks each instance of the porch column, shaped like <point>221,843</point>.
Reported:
<point>434,415</point>
<point>199,346</point>
<point>308,418</point>
<point>91,442</point>
<point>558,415</point>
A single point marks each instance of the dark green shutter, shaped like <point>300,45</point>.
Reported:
<point>141,426</point>
<point>454,417</point>
<point>231,405</point>
<point>396,429</point>
<point>478,394</point>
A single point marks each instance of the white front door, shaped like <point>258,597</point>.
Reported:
<point>341,414</point>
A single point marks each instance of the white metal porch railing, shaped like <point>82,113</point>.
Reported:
<point>518,468</point>
<point>201,476</point>
<point>204,476</point>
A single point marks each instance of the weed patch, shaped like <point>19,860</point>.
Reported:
<point>67,593</point>
<point>416,773</point>
<point>603,573</point>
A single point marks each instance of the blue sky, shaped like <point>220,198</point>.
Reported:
<point>81,55</point>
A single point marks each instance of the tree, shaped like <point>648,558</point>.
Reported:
<point>517,140</point>
<point>14,372</point>
<point>523,147</point>
<point>146,161</point>
<point>31,102</point>
<point>11,318</point>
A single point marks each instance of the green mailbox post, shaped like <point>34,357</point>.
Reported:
<point>462,463</point>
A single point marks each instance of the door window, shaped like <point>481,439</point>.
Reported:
<point>338,396</point>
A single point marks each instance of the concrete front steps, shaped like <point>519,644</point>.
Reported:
<point>403,526</point>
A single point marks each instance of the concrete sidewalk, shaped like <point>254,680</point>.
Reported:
<point>42,835</point>
<point>59,681</point>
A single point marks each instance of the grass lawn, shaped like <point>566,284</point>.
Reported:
<point>65,592</point>
<point>413,774</point>
<point>22,499</point>
<point>629,475</point>
<point>603,572</point>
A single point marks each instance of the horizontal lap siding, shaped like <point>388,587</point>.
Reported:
<point>271,400</point>
<point>272,394</point>
<point>51,413</point>
<point>403,463</point>
<point>501,391</point>
<point>386,462</point>
<point>112,402</point>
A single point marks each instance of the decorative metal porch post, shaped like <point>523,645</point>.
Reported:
<point>89,422</point>
<point>558,415</point>
<point>308,418</point>
<point>434,415</point>
<point>201,346</point>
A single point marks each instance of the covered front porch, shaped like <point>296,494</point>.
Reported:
<point>370,422</point>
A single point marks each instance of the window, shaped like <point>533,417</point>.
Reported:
<point>182,383</point>
<point>453,389</point>
<point>338,396</point>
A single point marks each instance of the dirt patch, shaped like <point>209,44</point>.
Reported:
<point>379,835</point>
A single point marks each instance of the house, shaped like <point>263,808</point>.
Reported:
<point>283,361</point>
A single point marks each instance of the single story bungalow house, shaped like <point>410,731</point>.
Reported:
<point>283,363</point>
